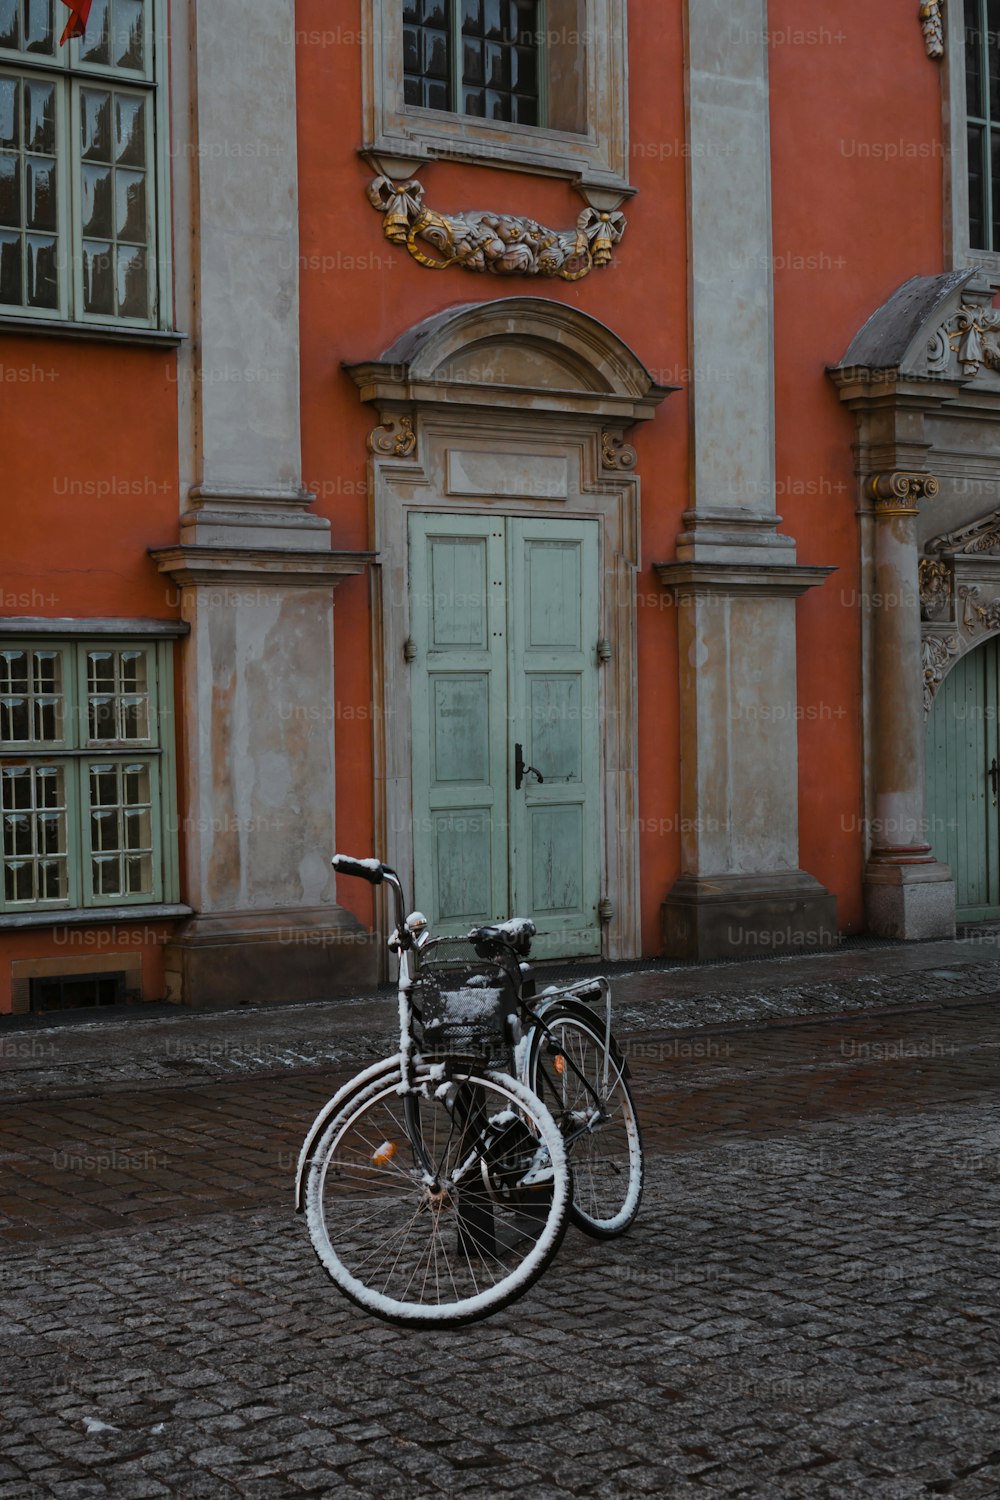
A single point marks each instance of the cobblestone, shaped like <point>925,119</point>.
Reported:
<point>805,1307</point>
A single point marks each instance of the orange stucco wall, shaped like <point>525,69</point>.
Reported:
<point>359,294</point>
<point>90,483</point>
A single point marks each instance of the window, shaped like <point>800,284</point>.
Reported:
<point>479,57</point>
<point>84,774</point>
<point>536,84</point>
<point>79,181</point>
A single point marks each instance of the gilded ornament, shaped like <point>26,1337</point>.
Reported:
<point>616,453</point>
<point>897,493</point>
<point>932,21</point>
<point>936,653</point>
<point>502,244</point>
<point>935,587</point>
<point>394,437</point>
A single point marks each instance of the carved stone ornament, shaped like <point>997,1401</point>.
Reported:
<point>981,536</point>
<point>616,453</point>
<point>936,652</point>
<point>394,437</point>
<point>897,493</point>
<point>932,21</point>
<point>935,587</point>
<point>503,244</point>
<point>973,333</point>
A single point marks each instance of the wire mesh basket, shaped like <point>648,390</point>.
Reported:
<point>463,1010</point>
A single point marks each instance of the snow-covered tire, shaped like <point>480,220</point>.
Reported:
<point>467,1243</point>
<point>606,1162</point>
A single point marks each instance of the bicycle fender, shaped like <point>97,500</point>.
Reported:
<point>387,1065</point>
<point>584,1013</point>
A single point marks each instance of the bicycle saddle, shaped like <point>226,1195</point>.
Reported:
<point>515,934</point>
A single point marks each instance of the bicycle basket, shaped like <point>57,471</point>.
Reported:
<point>463,1008</point>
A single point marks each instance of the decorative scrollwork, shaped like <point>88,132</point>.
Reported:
<point>616,453</point>
<point>935,653</point>
<point>502,244</point>
<point>394,437</point>
<point>980,536</point>
<point>935,587</point>
<point>932,21</point>
<point>897,493</point>
<point>973,334</point>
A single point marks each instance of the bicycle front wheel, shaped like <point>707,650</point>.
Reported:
<point>583,1083</point>
<point>440,1206</point>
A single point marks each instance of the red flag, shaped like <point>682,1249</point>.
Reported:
<point>79,16</point>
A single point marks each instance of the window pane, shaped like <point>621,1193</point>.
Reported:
<point>130,206</point>
<point>127,43</point>
<point>94,48</point>
<point>132,288</point>
<point>993,56</point>
<point>121,830</point>
<point>31,696</point>
<point>118,695</point>
<point>40,199</point>
<point>10,190</point>
<point>10,115</point>
<point>98,278</point>
<point>8,23</point>
<point>10,268</point>
<point>973,57</point>
<point>38,28</point>
<point>97,200</point>
<point>977,189</point>
<point>40,117</point>
<point>42,271</point>
<point>995,175</point>
<point>35,854</point>
<point>500,60</point>
<point>130,131</point>
<point>95,125</point>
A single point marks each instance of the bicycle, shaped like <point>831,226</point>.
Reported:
<point>438,1183</point>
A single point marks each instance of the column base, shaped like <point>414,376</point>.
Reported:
<point>909,902</point>
<point>747,916</point>
<point>295,953</point>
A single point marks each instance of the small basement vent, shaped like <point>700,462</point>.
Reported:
<point>77,991</point>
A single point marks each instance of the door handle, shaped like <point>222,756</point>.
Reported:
<point>994,775</point>
<point>521,770</point>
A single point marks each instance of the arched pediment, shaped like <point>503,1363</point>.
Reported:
<point>514,351</point>
<point>931,328</point>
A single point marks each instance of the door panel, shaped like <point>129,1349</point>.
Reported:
<point>504,614</point>
<point>962,742</point>
<point>458,622</point>
<point>553,714</point>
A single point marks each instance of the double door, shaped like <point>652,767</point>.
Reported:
<point>963,780</point>
<point>504,626</point>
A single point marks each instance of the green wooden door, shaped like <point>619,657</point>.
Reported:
<point>963,742</point>
<point>504,620</point>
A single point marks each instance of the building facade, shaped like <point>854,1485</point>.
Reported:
<point>551,444</point>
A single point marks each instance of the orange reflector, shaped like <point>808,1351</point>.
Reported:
<point>559,1063</point>
<point>385,1153</point>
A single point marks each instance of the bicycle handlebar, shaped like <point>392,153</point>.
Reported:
<point>371,870</point>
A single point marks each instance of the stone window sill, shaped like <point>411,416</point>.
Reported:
<point>94,333</point>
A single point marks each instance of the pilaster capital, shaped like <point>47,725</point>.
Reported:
<point>897,493</point>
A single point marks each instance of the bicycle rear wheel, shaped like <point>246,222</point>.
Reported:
<point>442,1206</point>
<point>584,1086</point>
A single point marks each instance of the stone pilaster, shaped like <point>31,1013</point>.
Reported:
<point>736,577</point>
<point>908,894</point>
<point>254,564</point>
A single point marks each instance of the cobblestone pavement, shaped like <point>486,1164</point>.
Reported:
<point>169,1045</point>
<point>807,1305</point>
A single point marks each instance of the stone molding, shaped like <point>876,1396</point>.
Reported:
<point>960,597</point>
<point>932,22</point>
<point>395,436</point>
<point>616,453</point>
<point>695,580</point>
<point>897,493</point>
<point>244,567</point>
<point>501,244</point>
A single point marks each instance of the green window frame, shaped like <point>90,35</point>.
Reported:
<point>83,183</point>
<point>982,96</point>
<point>87,801</point>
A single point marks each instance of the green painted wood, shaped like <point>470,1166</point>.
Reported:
<point>553,713</point>
<point>459,695</point>
<point>963,821</point>
<point>504,614</point>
